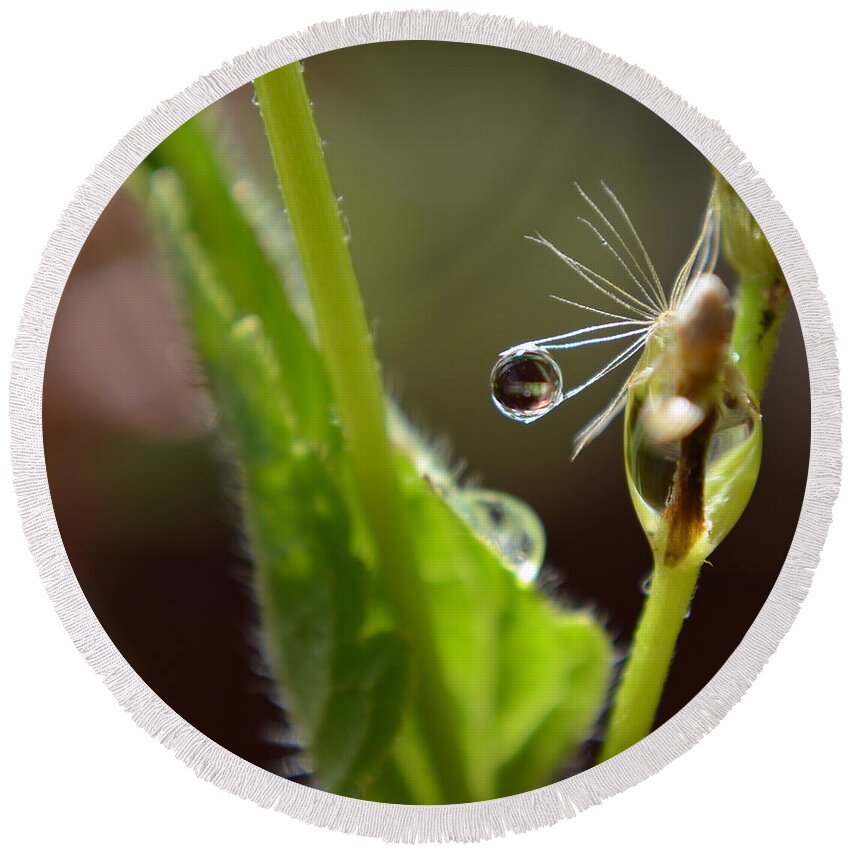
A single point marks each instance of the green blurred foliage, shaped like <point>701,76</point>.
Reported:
<point>526,679</point>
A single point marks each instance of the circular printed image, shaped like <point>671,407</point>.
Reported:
<point>426,423</point>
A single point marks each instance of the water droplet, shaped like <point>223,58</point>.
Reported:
<point>651,466</point>
<point>526,383</point>
<point>509,525</point>
<point>254,99</point>
<point>646,584</point>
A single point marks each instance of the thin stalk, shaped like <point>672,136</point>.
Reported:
<point>763,295</point>
<point>642,683</point>
<point>678,547</point>
<point>347,348</point>
<point>764,299</point>
<point>761,304</point>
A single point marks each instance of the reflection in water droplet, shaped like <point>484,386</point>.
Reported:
<point>526,383</point>
<point>509,525</point>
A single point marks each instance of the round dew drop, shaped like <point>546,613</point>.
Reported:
<point>507,524</point>
<point>526,383</point>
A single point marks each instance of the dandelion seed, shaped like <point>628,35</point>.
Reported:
<point>644,318</point>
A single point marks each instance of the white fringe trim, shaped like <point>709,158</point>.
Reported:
<point>473,821</point>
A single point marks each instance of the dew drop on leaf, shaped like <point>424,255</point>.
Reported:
<point>526,383</point>
<point>509,525</point>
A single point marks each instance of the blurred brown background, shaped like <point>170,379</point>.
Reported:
<point>445,156</point>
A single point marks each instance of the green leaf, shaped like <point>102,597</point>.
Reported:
<point>312,587</point>
<point>244,269</point>
<point>369,699</point>
<point>529,677</point>
<point>476,685</point>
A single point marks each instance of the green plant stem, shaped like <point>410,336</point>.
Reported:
<point>347,347</point>
<point>763,296</point>
<point>761,305</point>
<point>763,301</point>
<point>640,688</point>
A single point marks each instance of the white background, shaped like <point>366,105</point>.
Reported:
<point>77,76</point>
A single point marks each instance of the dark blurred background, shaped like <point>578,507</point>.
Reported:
<point>445,156</point>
